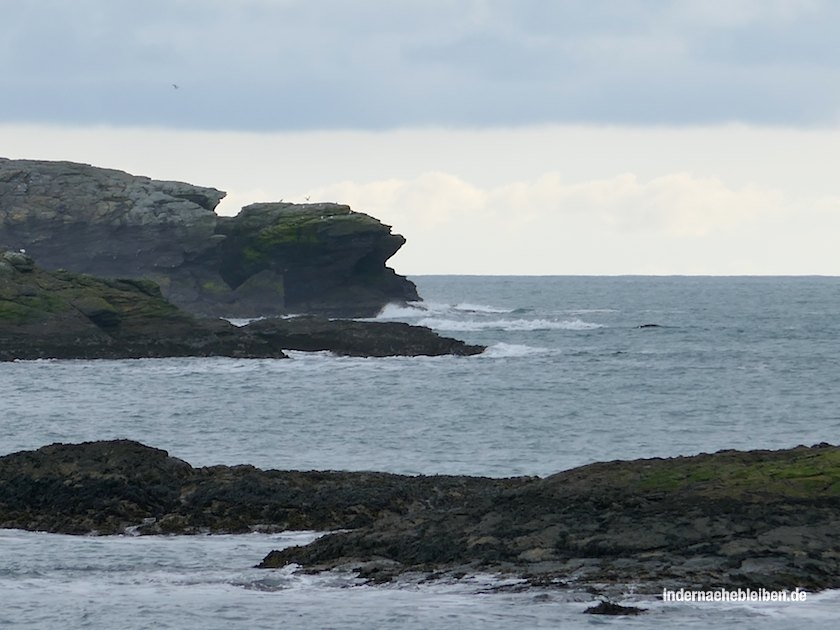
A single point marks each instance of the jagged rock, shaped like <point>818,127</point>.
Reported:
<point>611,608</point>
<point>314,258</point>
<point>755,519</point>
<point>108,486</point>
<point>270,259</point>
<point>355,338</point>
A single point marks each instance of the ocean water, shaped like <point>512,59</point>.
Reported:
<point>573,374</point>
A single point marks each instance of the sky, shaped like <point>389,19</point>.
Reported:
<point>498,136</point>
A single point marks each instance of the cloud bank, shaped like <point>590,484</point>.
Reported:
<point>377,64</point>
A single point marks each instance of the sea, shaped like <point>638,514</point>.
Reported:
<point>577,370</point>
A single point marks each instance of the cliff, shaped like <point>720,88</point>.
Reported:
<point>272,258</point>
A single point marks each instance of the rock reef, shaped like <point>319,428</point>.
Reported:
<point>272,258</point>
<point>65,315</point>
<point>754,519</point>
<point>109,487</point>
<point>757,519</point>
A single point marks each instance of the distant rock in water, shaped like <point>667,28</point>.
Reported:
<point>272,258</point>
<point>610,608</point>
<point>354,338</point>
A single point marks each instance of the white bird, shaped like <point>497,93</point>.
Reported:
<point>22,251</point>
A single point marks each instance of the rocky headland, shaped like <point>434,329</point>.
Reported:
<point>270,259</point>
<point>66,315</point>
<point>729,519</point>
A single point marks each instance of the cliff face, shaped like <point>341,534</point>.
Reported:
<point>272,258</point>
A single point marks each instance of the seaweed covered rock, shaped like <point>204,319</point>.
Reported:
<point>66,315</point>
<point>312,258</point>
<point>270,259</point>
<point>759,519</point>
<point>755,519</point>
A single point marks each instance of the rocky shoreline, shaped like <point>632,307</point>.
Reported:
<point>757,519</point>
<point>65,315</point>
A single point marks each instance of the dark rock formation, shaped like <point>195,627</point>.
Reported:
<point>109,486</point>
<point>66,315</point>
<point>610,608</point>
<point>313,258</point>
<point>732,519</point>
<point>270,259</point>
<point>356,338</point>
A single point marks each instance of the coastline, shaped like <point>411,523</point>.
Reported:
<point>748,519</point>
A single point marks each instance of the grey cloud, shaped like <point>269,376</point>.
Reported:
<point>308,64</point>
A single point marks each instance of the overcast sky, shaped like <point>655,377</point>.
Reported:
<point>509,136</point>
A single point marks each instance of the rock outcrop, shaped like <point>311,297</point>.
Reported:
<point>109,486</point>
<point>756,519</point>
<point>65,315</point>
<point>272,258</point>
<point>357,338</point>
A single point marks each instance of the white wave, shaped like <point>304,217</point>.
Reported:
<point>244,321</point>
<point>410,310</point>
<point>479,308</point>
<point>413,310</point>
<point>507,324</point>
<point>503,350</point>
<point>587,311</point>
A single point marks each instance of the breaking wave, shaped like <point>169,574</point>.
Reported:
<point>506,324</point>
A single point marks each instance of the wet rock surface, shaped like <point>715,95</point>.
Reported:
<point>759,519</point>
<point>110,486</point>
<point>730,519</point>
<point>357,338</point>
<point>272,258</point>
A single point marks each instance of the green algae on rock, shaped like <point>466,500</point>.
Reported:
<point>730,519</point>
<point>66,315</point>
<point>768,520</point>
